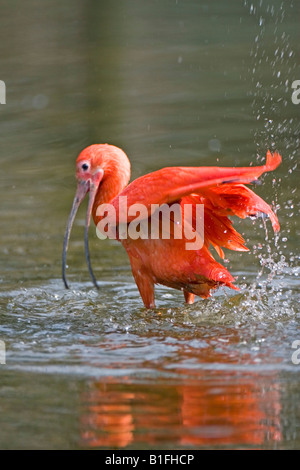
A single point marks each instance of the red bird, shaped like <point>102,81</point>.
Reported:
<point>104,171</point>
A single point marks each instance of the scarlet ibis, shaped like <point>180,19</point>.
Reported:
<point>103,171</point>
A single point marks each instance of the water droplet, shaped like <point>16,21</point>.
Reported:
<point>214,145</point>
<point>40,101</point>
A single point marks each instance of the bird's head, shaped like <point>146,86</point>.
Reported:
<point>95,165</point>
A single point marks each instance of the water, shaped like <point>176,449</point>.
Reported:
<point>172,83</point>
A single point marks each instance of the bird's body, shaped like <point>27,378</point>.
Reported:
<point>104,171</point>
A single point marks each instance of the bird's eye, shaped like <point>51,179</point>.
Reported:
<point>85,166</point>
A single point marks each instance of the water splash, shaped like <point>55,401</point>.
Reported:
<point>277,128</point>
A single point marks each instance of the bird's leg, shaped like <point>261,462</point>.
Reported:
<point>143,281</point>
<point>189,298</point>
<point>146,289</point>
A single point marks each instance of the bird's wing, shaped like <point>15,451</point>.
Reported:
<point>173,183</point>
<point>227,200</point>
<point>238,200</point>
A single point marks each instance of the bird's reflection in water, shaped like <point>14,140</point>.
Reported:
<point>216,410</point>
<point>108,420</point>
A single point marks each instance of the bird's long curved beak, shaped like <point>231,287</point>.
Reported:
<point>83,187</point>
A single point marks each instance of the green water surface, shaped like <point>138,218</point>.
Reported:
<point>172,83</point>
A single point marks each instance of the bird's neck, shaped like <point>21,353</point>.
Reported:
<point>114,181</point>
